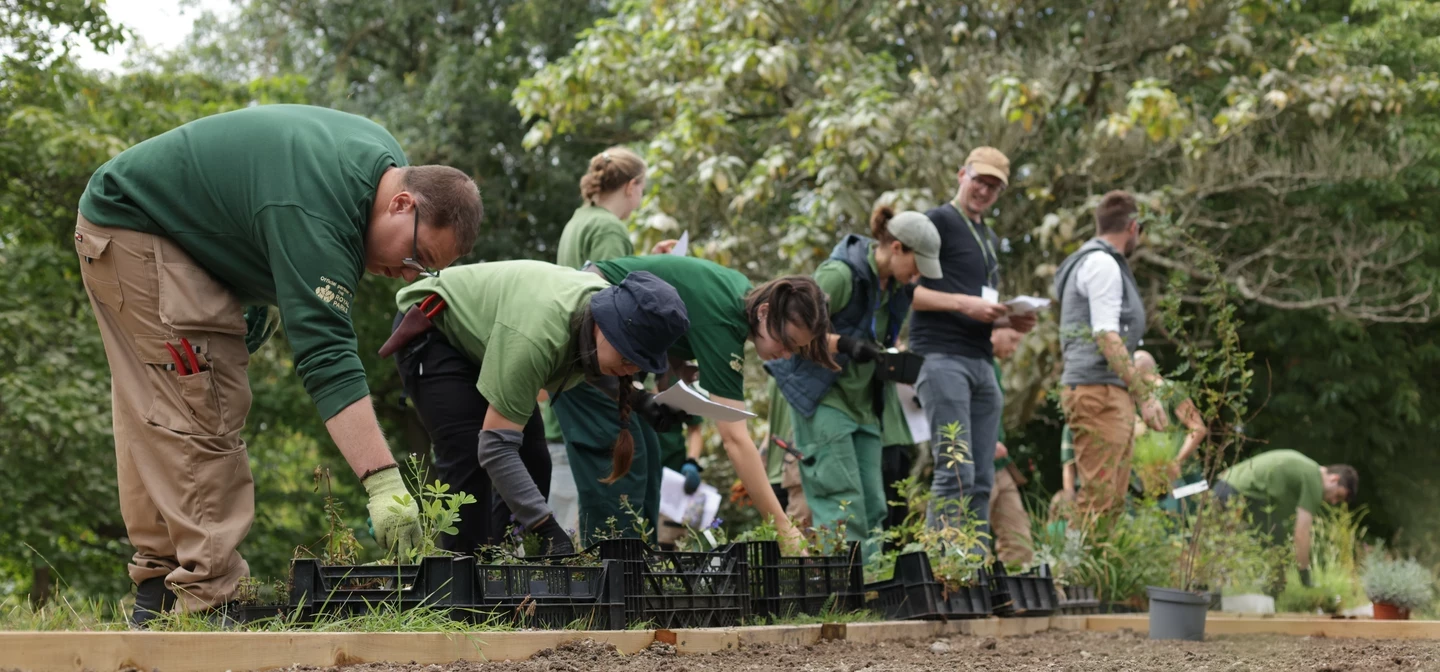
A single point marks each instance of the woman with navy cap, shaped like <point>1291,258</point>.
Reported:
<point>478,343</point>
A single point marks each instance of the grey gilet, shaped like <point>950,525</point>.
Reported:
<point>1084,363</point>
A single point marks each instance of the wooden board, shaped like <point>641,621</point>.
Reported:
<point>185,651</point>
<point>1224,625</point>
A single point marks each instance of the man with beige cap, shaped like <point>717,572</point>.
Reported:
<point>954,315</point>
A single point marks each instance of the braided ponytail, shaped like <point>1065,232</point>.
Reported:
<point>623,452</point>
<point>610,170</point>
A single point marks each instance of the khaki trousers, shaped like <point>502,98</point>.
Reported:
<point>1102,419</point>
<point>1008,520</point>
<point>186,493</point>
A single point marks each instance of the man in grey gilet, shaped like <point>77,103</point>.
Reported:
<point>1102,321</point>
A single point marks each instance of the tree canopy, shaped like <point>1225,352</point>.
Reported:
<point>1296,142</point>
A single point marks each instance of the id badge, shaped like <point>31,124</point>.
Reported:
<point>990,294</point>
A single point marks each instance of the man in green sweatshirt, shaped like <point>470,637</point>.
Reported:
<point>281,206</point>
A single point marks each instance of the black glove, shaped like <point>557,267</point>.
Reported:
<point>1305,579</point>
<point>691,469</point>
<point>663,418</point>
<point>859,350</point>
<point>553,539</point>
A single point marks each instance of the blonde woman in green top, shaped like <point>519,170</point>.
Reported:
<point>612,189</point>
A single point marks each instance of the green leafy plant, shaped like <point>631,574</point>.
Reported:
<point>957,551</point>
<point>439,511</point>
<point>339,545</point>
<point>1403,583</point>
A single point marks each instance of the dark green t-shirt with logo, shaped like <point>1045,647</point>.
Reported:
<point>273,201</point>
<point>714,297</point>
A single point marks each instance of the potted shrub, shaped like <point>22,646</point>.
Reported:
<point>1397,586</point>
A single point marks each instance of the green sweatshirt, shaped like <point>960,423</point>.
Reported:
<point>593,234</point>
<point>274,201</point>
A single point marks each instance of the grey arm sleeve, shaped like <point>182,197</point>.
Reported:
<point>500,457</point>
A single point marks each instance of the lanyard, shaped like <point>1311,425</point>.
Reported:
<point>987,251</point>
<point>880,297</point>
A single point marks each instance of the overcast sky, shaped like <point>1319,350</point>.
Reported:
<point>163,24</point>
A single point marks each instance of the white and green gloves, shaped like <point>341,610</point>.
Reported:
<point>394,513</point>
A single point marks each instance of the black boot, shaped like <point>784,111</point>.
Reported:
<point>152,598</point>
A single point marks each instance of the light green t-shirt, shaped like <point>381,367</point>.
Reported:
<point>1281,480</point>
<point>779,428</point>
<point>852,390</point>
<point>513,318</point>
<point>593,234</point>
<point>714,298</point>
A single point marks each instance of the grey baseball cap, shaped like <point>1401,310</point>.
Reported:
<point>917,232</point>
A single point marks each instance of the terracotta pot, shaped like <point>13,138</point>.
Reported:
<point>1390,612</point>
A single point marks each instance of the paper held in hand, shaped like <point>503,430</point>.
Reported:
<point>1024,305</point>
<point>697,510</point>
<point>682,248</point>
<point>1191,489</point>
<point>685,398</point>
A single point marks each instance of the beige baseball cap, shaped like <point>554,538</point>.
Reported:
<point>990,161</point>
<point>915,231</point>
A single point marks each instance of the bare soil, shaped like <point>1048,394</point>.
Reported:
<point>1054,651</point>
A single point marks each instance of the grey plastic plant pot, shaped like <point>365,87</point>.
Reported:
<point>1177,614</point>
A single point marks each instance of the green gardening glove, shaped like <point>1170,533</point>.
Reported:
<point>393,512</point>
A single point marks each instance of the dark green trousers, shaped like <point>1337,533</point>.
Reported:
<point>590,421</point>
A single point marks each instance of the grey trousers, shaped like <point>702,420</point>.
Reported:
<point>956,389</point>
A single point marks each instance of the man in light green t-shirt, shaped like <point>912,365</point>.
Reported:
<point>1282,484</point>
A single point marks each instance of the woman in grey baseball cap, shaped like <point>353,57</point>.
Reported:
<point>836,414</point>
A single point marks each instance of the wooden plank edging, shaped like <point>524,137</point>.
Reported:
<point>197,651</point>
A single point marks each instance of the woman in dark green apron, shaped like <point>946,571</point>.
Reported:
<point>496,334</point>
<point>836,414</point>
<point>781,317</point>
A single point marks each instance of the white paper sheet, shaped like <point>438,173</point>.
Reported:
<point>685,398</point>
<point>682,248</point>
<point>1192,489</point>
<point>1024,305</point>
<point>914,416</point>
<point>696,510</point>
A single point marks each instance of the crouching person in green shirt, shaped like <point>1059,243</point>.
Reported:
<point>1279,485</point>
<point>525,326</point>
<point>282,207</point>
<point>781,317</point>
<point>837,414</point>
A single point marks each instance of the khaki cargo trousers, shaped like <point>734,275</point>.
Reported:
<point>186,492</point>
<point>1102,419</point>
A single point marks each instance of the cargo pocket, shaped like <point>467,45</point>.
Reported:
<point>184,404</point>
<point>192,300</point>
<point>97,268</point>
<point>831,475</point>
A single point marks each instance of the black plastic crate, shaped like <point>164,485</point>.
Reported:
<point>677,589</point>
<point>1079,600</point>
<point>1029,594</point>
<point>913,593</point>
<point>785,586</point>
<point>552,596</point>
<point>973,601</point>
<point>347,590</point>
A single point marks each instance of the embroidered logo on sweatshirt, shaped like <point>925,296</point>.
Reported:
<point>335,294</point>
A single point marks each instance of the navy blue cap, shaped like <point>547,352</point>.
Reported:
<point>642,317</point>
